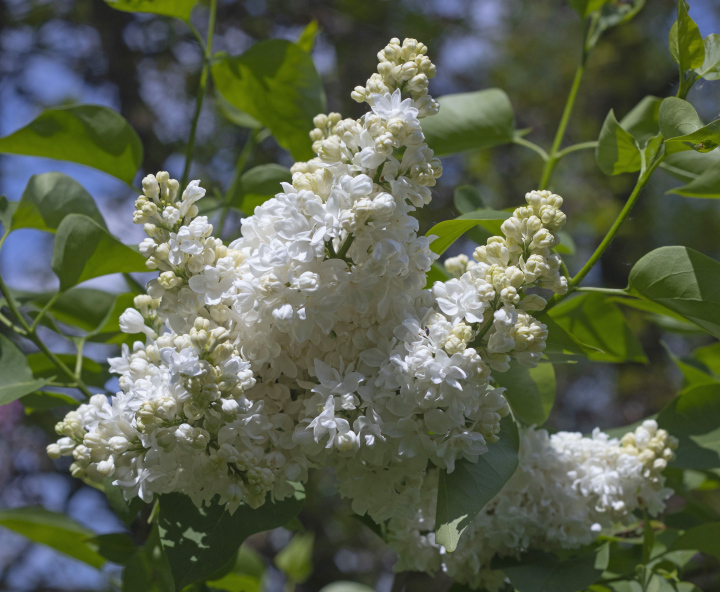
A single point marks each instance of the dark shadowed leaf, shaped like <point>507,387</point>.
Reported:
<point>84,250</point>
<point>48,198</point>
<point>688,165</point>
<point>468,199</point>
<point>530,391</point>
<point>617,151</point>
<point>276,83</point>
<point>258,185</point>
<point>543,572</point>
<point>92,135</point>
<point>465,491</point>
<point>448,231</point>
<point>704,538</point>
<point>116,547</point>
<point>16,377</point>
<point>694,418</point>
<point>84,308</point>
<point>199,541</point>
<point>683,280</point>
<point>93,372</point>
<point>467,121</point>
<point>44,400</point>
<point>54,530</point>
<point>179,8</point>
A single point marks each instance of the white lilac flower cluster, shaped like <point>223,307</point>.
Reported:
<point>312,340</point>
<point>566,491</point>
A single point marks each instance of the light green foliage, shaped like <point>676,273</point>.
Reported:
<point>543,572</point>
<point>199,541</point>
<point>87,134</point>
<point>642,120</point>
<point>468,121</point>
<point>710,69</point>
<point>530,391</point>
<point>599,327</point>
<point>84,250</point>
<point>16,376</point>
<point>295,560</point>
<point>258,185</point>
<point>345,587</point>
<point>465,491</point>
<point>686,43</point>
<point>276,83</point>
<point>467,199</point>
<point>617,151</point>
<point>683,280</point>
<point>307,37</point>
<point>449,231</point>
<point>48,198</point>
<point>179,8</point>
<point>679,122</point>
<point>54,530</point>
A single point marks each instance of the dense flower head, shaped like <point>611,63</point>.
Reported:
<point>568,489</point>
<point>312,340</point>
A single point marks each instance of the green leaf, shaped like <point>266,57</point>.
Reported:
<point>449,231</point>
<point>246,573</point>
<point>198,541</point>
<point>467,199</point>
<point>307,37</point>
<point>84,308</point>
<point>92,372</point>
<point>704,139</point>
<point>148,569</point>
<point>704,538</point>
<point>710,70</point>
<point>599,326</point>
<point>346,587</point>
<point>437,273</point>
<point>16,377</point>
<point>295,560</point>
<point>84,250</point>
<point>465,491</point>
<point>235,115</point>
<point>54,530</point>
<point>530,391</point>
<point>683,280</point>
<point>276,83</point>
<point>706,185</point>
<point>585,7</point>
<point>692,371</point>
<point>468,121</point>
<point>87,134</point>
<point>116,547</point>
<point>543,572</point>
<point>127,511</point>
<point>642,121</point>
<point>44,400</point>
<point>694,418</point>
<point>677,118</point>
<point>709,356</point>
<point>686,42</point>
<point>687,165</point>
<point>567,243</point>
<point>48,198</point>
<point>178,8</point>
<point>258,185</point>
<point>616,151</point>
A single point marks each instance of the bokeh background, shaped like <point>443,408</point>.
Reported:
<point>58,52</point>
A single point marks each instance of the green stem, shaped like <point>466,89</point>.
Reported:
<point>610,291</point>
<point>201,92</point>
<point>79,358</point>
<point>687,81</point>
<point>532,146</point>
<point>575,147</point>
<point>44,310</point>
<point>345,247</point>
<point>560,134</point>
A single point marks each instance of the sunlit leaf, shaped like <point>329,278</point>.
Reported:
<point>84,250</point>
<point>710,70</point>
<point>346,587</point>
<point>235,115</point>
<point>448,231</point>
<point>178,8</point>
<point>92,135</point>
<point>16,377</point>
<point>48,198</point>
<point>617,151</point>
<point>307,37</point>
<point>686,42</point>
<point>276,83</point>
<point>54,530</point>
<point>530,391</point>
<point>600,327</point>
<point>468,121</point>
<point>465,491</point>
<point>198,541</point>
<point>585,7</point>
<point>683,280</point>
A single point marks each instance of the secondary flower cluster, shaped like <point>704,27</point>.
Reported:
<point>312,340</point>
<point>566,491</point>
